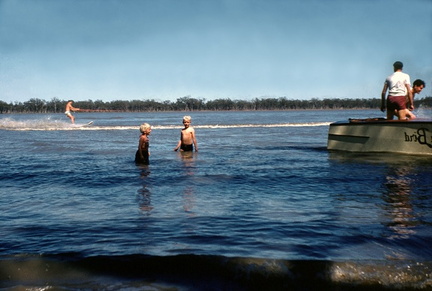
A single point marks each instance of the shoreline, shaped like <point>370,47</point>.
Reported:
<point>211,272</point>
<point>189,111</point>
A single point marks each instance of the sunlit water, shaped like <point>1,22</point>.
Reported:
<point>262,185</point>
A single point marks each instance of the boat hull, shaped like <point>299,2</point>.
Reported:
<point>379,135</point>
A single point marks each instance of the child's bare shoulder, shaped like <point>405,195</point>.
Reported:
<point>189,129</point>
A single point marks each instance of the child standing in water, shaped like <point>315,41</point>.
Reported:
<point>187,137</point>
<point>142,154</point>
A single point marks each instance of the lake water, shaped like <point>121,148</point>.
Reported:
<point>263,204</point>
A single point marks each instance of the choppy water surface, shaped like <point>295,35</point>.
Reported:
<point>261,186</point>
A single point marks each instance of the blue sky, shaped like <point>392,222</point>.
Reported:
<point>239,49</point>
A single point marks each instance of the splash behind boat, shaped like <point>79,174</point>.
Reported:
<point>381,135</point>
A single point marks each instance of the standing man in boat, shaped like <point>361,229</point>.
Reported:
<point>399,87</point>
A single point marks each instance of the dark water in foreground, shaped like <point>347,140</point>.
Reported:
<point>262,205</point>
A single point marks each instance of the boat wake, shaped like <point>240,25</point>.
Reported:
<point>53,125</point>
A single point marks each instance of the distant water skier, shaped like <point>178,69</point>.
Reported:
<point>69,109</point>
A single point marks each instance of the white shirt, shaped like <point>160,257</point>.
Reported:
<point>396,83</point>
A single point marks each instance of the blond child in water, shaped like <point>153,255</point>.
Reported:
<point>187,140</point>
<point>142,154</point>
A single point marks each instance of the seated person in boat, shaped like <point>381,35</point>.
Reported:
<point>417,87</point>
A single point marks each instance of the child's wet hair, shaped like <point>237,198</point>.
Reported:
<point>143,127</point>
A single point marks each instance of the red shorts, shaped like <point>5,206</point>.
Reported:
<point>396,103</point>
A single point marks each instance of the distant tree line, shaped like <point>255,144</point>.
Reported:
<point>187,103</point>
